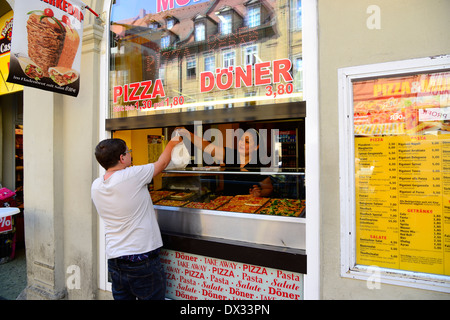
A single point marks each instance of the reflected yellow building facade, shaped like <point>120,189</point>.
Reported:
<point>173,48</point>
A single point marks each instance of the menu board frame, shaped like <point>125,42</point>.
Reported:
<point>351,267</point>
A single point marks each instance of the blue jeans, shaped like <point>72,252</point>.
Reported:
<point>142,280</point>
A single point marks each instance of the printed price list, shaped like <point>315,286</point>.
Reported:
<point>402,194</point>
<point>194,277</point>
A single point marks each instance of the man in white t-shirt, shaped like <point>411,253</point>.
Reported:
<point>132,233</point>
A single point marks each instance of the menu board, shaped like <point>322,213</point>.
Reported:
<point>194,277</point>
<point>403,202</point>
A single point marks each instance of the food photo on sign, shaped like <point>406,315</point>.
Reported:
<point>46,45</point>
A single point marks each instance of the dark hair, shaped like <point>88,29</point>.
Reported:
<point>262,141</point>
<point>108,152</point>
<point>247,128</point>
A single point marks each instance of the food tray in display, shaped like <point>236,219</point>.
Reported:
<point>212,205</point>
<point>171,203</point>
<point>181,195</point>
<point>283,207</point>
<point>160,194</point>
<point>244,203</point>
<point>239,203</point>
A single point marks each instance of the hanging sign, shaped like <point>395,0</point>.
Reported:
<point>6,24</point>
<point>46,45</point>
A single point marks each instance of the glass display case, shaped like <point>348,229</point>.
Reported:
<point>205,189</point>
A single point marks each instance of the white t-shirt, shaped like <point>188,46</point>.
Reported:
<point>123,202</point>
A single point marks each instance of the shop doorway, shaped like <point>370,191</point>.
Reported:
<point>13,272</point>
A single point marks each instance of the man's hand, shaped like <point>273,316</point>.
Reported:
<point>164,158</point>
<point>255,191</point>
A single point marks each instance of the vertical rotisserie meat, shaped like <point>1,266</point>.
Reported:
<point>45,41</point>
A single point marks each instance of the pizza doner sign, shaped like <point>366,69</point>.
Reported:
<point>46,45</point>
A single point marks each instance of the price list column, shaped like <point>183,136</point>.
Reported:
<point>402,189</point>
<point>376,187</point>
<point>420,203</point>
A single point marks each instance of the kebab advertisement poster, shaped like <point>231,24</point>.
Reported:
<point>46,45</point>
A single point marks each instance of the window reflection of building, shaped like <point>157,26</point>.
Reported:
<point>228,104</point>
<point>154,25</point>
<point>162,73</point>
<point>191,67</point>
<point>208,104</point>
<point>228,58</point>
<point>210,62</point>
<point>225,24</point>
<point>209,35</point>
<point>298,73</point>
<point>298,14</point>
<point>254,16</point>
<point>165,41</point>
<point>250,54</point>
<point>200,32</point>
<point>250,102</point>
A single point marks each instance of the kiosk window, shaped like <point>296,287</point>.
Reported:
<point>170,58</point>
